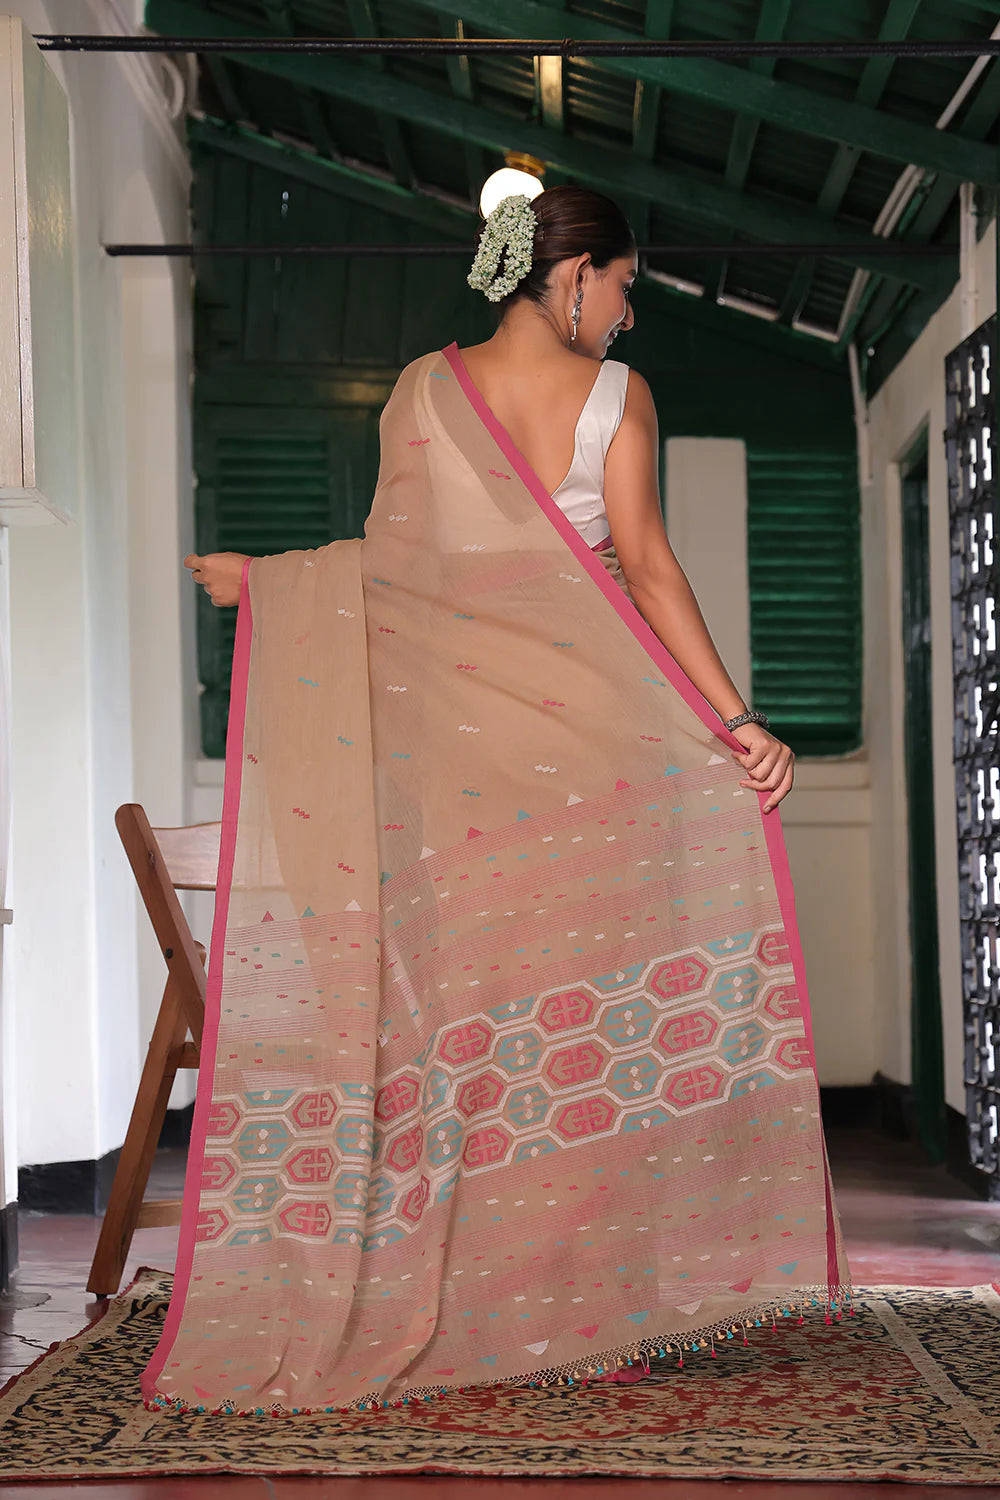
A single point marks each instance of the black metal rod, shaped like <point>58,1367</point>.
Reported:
<point>732,251</point>
<point>525,47</point>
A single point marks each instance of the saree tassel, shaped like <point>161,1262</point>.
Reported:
<point>714,1355</point>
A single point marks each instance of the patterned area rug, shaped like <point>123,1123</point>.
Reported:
<point>906,1390</point>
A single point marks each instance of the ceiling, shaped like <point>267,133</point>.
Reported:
<point>700,151</point>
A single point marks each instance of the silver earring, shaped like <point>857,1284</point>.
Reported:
<point>575,315</point>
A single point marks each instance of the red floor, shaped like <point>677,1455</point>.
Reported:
<point>903,1222</point>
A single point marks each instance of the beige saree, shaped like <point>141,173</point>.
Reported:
<point>508,1071</point>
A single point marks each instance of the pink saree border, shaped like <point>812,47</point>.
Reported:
<point>213,995</point>
<point>658,653</point>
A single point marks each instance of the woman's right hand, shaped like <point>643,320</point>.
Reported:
<point>219,573</point>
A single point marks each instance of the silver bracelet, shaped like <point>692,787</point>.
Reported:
<point>753,717</point>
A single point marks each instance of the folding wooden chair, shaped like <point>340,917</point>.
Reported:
<point>164,861</point>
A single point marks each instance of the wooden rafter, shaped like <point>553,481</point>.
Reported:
<point>363,23</point>
<point>612,170</point>
<point>646,110</point>
<point>789,105</point>
<point>938,197</point>
<point>333,176</point>
<point>462,86</point>
<point>771,24</point>
<point>549,85</point>
<point>220,72</point>
<point>896,23</point>
<point>310,103</point>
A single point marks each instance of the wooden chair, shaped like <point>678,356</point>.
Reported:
<point>164,861</point>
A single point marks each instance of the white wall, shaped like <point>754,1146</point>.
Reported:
<point>827,816</point>
<point>96,610</point>
<point>913,398</point>
<point>156,357</point>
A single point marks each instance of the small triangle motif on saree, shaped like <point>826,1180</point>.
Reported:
<point>620,786</point>
<point>672,771</point>
<point>637,1317</point>
<point>789,1267</point>
<point>588,1333</point>
<point>425,851</point>
<point>537,1348</point>
<point>308,912</point>
<point>741,1286</point>
<point>267,917</point>
<point>522,814</point>
<point>384,877</point>
<point>474,833</point>
<point>352,906</point>
<point>487,1359</point>
<point>572,798</point>
<point>689,1307</point>
<point>717,760</point>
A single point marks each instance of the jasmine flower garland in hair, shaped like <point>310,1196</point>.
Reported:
<point>511,227</point>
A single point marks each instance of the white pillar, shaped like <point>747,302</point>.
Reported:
<point>706,508</point>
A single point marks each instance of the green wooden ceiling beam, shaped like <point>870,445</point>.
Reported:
<point>334,177</point>
<point>549,85</point>
<point>789,105</point>
<point>981,116</point>
<point>770,28</point>
<point>931,205</point>
<point>220,72</point>
<point>646,108</point>
<point>363,23</point>
<point>611,170</point>
<point>896,23</point>
<point>462,86</point>
<point>549,89</point>
<point>279,16</point>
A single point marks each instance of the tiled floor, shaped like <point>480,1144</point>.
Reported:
<point>903,1222</point>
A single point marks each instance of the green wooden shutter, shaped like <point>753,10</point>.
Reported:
<point>272,479</point>
<point>804,563</point>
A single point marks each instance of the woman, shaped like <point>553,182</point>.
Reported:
<point>513,1075</point>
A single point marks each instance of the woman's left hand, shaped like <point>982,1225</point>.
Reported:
<point>767,761</point>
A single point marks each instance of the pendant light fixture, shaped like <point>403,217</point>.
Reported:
<point>522,174</point>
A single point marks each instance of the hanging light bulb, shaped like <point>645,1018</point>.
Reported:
<point>522,174</point>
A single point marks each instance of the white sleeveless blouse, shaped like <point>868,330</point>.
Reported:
<point>580,496</point>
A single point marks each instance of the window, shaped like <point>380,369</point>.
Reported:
<point>804,563</point>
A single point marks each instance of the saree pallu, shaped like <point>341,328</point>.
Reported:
<point>508,1072</point>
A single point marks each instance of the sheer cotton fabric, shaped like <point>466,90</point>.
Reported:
<point>508,1069</point>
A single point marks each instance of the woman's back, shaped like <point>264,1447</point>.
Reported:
<point>538,399</point>
<point>593,405</point>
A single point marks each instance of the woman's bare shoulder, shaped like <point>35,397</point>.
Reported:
<point>639,404</point>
